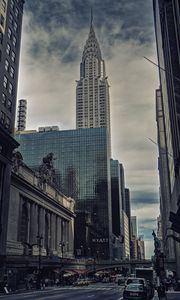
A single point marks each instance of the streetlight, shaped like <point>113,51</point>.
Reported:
<point>39,239</point>
<point>82,250</point>
<point>62,245</point>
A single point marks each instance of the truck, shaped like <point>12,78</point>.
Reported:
<point>149,275</point>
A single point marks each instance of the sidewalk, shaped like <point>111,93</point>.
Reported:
<point>30,291</point>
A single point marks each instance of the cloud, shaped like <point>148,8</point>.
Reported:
<point>54,34</point>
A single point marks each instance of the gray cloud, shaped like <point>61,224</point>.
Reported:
<point>121,22</point>
<point>54,34</point>
<point>140,198</point>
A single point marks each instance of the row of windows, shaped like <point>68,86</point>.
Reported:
<point>5,120</point>
<point>3,5</point>
<point>8,85</point>
<point>12,37</point>
<point>12,54</point>
<point>14,8</point>
<point>13,22</point>
<point>9,68</point>
<point>6,102</point>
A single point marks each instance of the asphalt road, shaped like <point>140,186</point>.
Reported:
<point>100,291</point>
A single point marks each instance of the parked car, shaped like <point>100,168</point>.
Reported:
<point>143,281</point>
<point>136,280</point>
<point>135,291</point>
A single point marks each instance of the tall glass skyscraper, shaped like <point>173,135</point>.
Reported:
<point>83,172</point>
<point>92,91</point>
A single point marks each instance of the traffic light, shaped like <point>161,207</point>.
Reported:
<point>175,219</point>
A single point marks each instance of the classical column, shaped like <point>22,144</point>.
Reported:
<point>71,237</point>
<point>59,238</point>
<point>33,223</point>
<point>29,221</point>
<point>53,220</point>
<point>42,224</point>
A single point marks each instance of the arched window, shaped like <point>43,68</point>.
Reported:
<point>24,223</point>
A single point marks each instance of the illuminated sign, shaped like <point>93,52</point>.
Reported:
<point>100,240</point>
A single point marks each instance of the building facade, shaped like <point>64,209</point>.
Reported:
<point>122,177</point>
<point>126,254</point>
<point>92,91</point>
<point>167,28</point>
<point>165,191</point>
<point>11,13</point>
<point>21,115</point>
<point>82,166</point>
<point>134,226</point>
<point>117,218</point>
<point>40,223</point>
<point>140,249</point>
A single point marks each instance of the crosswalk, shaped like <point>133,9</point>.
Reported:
<point>99,287</point>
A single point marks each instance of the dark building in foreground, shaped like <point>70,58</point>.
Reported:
<point>10,37</point>
<point>117,221</point>
<point>167,28</point>
<point>83,172</point>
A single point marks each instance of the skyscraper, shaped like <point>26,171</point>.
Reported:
<point>11,12</point>
<point>92,91</point>
<point>82,167</point>
<point>134,226</point>
<point>21,117</point>
<point>167,29</point>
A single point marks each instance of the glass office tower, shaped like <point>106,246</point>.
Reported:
<point>83,172</point>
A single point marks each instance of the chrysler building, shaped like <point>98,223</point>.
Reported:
<point>92,91</point>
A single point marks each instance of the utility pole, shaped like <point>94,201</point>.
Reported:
<point>62,245</point>
<point>39,239</point>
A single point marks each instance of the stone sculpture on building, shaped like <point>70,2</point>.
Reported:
<point>46,170</point>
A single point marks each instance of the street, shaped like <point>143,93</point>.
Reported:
<point>99,291</point>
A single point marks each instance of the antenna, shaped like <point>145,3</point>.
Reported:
<point>91,16</point>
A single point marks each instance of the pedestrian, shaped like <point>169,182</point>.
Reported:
<point>161,292</point>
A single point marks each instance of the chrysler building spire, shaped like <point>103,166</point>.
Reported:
<point>91,16</point>
<point>92,91</point>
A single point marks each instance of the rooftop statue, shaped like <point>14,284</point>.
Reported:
<point>46,170</point>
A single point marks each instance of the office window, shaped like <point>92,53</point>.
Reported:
<point>8,122</point>
<point>15,26</point>
<point>16,12</point>
<point>10,18</point>
<point>11,72</point>
<point>4,98</point>
<point>9,33</point>
<point>2,117</point>
<point>14,41</point>
<point>5,82</point>
<point>12,4</point>
<point>6,65</point>
<point>13,56</point>
<point>10,88</point>
<point>8,48</point>
<point>9,105</point>
<point>4,5</point>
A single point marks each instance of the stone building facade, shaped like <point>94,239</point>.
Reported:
<point>40,223</point>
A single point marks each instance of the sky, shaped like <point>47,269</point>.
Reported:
<point>53,37</point>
